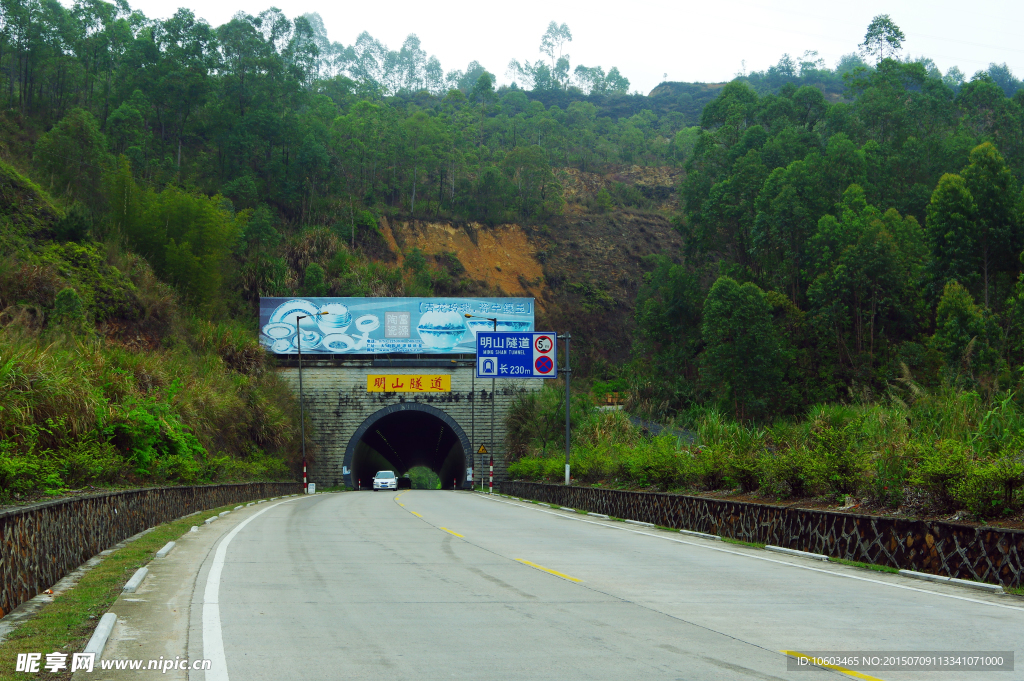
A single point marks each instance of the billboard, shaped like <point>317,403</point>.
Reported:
<point>387,325</point>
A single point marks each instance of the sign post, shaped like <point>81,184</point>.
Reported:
<point>481,452</point>
<point>515,355</point>
<point>568,374</point>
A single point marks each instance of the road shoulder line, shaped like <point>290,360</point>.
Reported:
<point>623,528</point>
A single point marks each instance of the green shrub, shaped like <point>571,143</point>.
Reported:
<point>708,466</point>
<point>838,463</point>
<point>69,311</point>
<point>987,488</point>
<point>654,462</point>
<point>891,474</point>
<point>941,467</point>
<point>786,472</point>
<point>743,467</point>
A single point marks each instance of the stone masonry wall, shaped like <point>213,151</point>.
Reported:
<point>986,554</point>
<point>41,543</point>
<point>338,403</point>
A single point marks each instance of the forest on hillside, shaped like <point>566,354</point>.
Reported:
<point>851,233</point>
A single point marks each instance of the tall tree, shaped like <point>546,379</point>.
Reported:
<point>883,39</point>
<point>997,227</point>
<point>742,359</point>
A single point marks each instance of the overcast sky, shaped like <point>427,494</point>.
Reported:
<point>688,41</point>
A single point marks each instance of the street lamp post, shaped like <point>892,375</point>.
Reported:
<point>302,412</point>
<point>493,320</point>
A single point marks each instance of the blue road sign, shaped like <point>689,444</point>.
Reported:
<point>516,355</point>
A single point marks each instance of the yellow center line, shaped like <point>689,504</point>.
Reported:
<point>544,569</point>
<point>450,532</point>
<point>841,670</point>
<point>416,514</point>
<point>396,498</point>
<point>401,504</point>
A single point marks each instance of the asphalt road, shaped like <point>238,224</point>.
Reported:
<point>425,585</point>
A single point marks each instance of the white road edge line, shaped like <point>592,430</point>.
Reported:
<point>213,639</point>
<point>769,560</point>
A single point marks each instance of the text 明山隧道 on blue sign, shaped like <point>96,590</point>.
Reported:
<point>516,355</point>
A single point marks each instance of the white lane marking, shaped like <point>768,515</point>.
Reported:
<point>213,640</point>
<point>767,560</point>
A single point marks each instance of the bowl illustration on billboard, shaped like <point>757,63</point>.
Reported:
<point>504,325</point>
<point>338,342</point>
<point>281,346</point>
<point>279,330</point>
<point>368,323</point>
<point>441,330</point>
<point>310,338</point>
<point>334,318</point>
<point>287,312</point>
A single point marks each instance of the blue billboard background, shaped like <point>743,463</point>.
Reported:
<point>387,325</point>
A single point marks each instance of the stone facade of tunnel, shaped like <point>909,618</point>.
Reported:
<point>338,403</point>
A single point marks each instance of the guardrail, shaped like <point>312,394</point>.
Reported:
<point>984,554</point>
<point>41,543</point>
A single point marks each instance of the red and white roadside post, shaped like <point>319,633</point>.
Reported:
<point>490,481</point>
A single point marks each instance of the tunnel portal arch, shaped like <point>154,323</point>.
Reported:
<point>339,402</point>
<point>409,415</point>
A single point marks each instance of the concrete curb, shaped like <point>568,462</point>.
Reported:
<point>602,516</point>
<point>978,586</point>
<point>135,581</point>
<point>162,553</point>
<point>794,552</point>
<point>566,508</point>
<point>702,535</point>
<point>102,633</point>
<point>642,524</point>
<point>210,520</point>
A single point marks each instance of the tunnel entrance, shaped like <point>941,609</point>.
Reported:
<point>403,436</point>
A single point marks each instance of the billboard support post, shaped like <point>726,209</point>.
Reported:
<point>493,320</point>
<point>302,413</point>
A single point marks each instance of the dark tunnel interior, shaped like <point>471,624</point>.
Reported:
<point>405,439</point>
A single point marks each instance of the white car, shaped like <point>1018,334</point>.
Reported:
<point>385,480</point>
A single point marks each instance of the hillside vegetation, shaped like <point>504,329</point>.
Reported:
<point>105,380</point>
<point>799,253</point>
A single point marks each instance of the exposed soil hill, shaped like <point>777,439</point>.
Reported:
<point>583,267</point>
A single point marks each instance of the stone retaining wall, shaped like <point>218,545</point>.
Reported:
<point>41,543</point>
<point>978,553</point>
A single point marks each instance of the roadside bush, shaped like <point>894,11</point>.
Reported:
<point>987,488</point>
<point>838,464</point>
<point>941,468</point>
<point>786,472</point>
<point>891,474</point>
<point>707,467</point>
<point>653,462</point>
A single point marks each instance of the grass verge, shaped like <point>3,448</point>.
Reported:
<point>743,543</point>
<point>865,566</point>
<point>66,624</point>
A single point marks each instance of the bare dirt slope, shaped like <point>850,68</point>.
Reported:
<point>583,267</point>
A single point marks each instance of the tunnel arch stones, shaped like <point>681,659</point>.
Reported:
<point>342,411</point>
